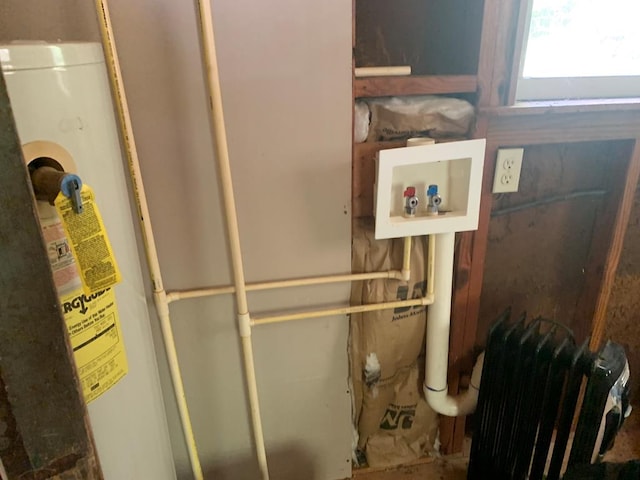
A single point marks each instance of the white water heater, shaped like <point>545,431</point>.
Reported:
<point>60,98</point>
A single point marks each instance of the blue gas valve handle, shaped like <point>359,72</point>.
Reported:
<point>70,186</point>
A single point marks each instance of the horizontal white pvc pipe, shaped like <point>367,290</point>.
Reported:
<point>295,282</point>
<point>329,312</point>
<point>404,274</point>
<point>438,326</point>
<point>382,71</point>
<point>426,300</point>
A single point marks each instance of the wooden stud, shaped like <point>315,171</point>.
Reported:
<point>615,247</point>
<point>604,230</point>
<point>488,45</point>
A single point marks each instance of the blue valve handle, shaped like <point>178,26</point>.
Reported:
<point>432,190</point>
<point>70,186</point>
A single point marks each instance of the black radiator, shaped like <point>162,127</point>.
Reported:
<point>531,381</point>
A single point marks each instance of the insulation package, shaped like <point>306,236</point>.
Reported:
<point>394,423</point>
<point>400,118</point>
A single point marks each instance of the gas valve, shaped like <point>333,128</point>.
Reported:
<point>434,200</point>
<point>410,202</point>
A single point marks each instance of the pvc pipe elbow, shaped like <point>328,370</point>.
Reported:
<point>463,404</point>
<point>396,275</point>
<point>428,299</point>
<point>452,406</point>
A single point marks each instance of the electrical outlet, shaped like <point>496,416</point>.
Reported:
<point>508,167</point>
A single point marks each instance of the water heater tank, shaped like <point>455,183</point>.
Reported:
<point>60,97</point>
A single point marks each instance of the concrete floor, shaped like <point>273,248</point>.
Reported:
<point>627,447</point>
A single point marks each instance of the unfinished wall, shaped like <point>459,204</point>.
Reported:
<point>537,257</point>
<point>286,81</point>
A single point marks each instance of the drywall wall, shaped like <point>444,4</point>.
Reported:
<point>286,80</point>
<point>67,20</point>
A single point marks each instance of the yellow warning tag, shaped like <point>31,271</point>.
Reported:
<point>89,242</point>
<point>96,339</point>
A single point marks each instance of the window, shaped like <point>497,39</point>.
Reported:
<point>581,49</point>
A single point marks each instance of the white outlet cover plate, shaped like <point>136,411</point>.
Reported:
<point>455,166</point>
<point>508,163</point>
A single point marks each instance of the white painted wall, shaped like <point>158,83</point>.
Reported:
<point>286,69</point>
<point>286,79</point>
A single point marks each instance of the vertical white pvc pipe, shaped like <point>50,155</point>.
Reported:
<point>439,314</point>
<point>219,135</point>
<point>160,298</point>
<point>406,260</point>
<point>438,327</point>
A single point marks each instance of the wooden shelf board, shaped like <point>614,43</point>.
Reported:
<point>413,85</point>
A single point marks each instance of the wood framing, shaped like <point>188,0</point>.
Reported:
<point>612,256</point>
<point>507,124</point>
<point>414,85</point>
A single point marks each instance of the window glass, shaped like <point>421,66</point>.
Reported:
<point>583,38</point>
<point>581,49</point>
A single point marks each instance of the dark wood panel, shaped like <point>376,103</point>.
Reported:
<point>623,312</point>
<point>537,258</point>
<point>616,239</point>
<point>414,85</point>
<point>419,33</point>
<point>603,231</point>
<point>556,126</point>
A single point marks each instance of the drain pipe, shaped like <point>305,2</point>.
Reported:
<point>438,326</point>
<point>219,136</point>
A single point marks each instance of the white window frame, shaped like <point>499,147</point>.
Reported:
<point>569,88</point>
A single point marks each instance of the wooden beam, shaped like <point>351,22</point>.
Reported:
<point>505,31</point>
<point>488,45</point>
<point>556,126</point>
<point>414,85</point>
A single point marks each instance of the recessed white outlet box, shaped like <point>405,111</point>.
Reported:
<point>455,167</point>
<point>508,167</point>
